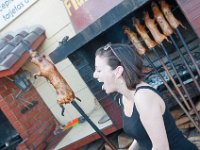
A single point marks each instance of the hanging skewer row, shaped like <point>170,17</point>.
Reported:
<point>167,26</point>
<point>159,38</point>
<point>175,25</point>
<point>167,30</point>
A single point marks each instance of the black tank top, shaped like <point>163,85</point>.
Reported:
<point>134,128</point>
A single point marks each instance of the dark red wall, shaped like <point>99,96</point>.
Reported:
<point>191,10</point>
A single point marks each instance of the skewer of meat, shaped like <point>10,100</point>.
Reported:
<point>160,19</point>
<point>158,15</point>
<point>142,32</point>
<point>134,40</point>
<point>150,23</point>
<point>175,24</point>
<point>169,15</point>
<point>167,30</point>
<point>50,72</point>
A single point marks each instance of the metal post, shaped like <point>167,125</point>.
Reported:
<point>101,134</point>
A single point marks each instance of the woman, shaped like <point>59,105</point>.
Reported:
<point>145,116</point>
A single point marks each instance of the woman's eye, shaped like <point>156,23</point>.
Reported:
<point>98,71</point>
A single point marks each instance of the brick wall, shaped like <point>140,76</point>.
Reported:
<point>191,10</point>
<point>36,125</point>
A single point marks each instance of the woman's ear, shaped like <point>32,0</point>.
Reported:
<point>43,56</point>
<point>118,71</point>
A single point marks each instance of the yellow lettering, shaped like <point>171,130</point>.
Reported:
<point>80,2</point>
<point>68,6</point>
<point>74,4</point>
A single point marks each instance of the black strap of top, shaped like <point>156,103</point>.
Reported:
<point>141,87</point>
<point>147,87</point>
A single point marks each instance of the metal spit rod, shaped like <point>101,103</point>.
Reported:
<point>101,134</point>
<point>172,79</point>
<point>185,62</point>
<point>187,50</point>
<point>183,86</point>
<point>172,93</point>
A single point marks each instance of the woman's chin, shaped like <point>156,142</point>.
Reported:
<point>107,91</point>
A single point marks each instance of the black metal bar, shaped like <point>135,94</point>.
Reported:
<point>172,79</point>
<point>187,50</point>
<point>185,62</point>
<point>182,84</point>
<point>101,134</point>
<point>172,93</point>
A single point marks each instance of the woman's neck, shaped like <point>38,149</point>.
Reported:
<point>127,93</point>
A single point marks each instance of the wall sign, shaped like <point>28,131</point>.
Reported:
<point>10,9</point>
<point>84,12</point>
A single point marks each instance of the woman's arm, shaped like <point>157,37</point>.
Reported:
<point>134,146</point>
<point>151,108</point>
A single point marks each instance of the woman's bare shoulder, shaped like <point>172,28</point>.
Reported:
<point>146,100</point>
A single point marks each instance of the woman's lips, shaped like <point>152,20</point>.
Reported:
<point>102,84</point>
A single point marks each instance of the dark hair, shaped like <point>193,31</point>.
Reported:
<point>126,56</point>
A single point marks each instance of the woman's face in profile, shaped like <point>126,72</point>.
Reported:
<point>104,74</point>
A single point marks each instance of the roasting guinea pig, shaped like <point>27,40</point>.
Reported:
<point>143,33</point>
<point>48,70</point>
<point>151,25</point>
<point>132,36</point>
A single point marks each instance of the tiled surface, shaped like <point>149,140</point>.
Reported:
<point>56,110</point>
<point>12,47</point>
<point>73,78</point>
<point>87,104</point>
<point>63,64</point>
<point>52,42</point>
<point>84,129</point>
<point>48,94</point>
<point>87,100</point>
